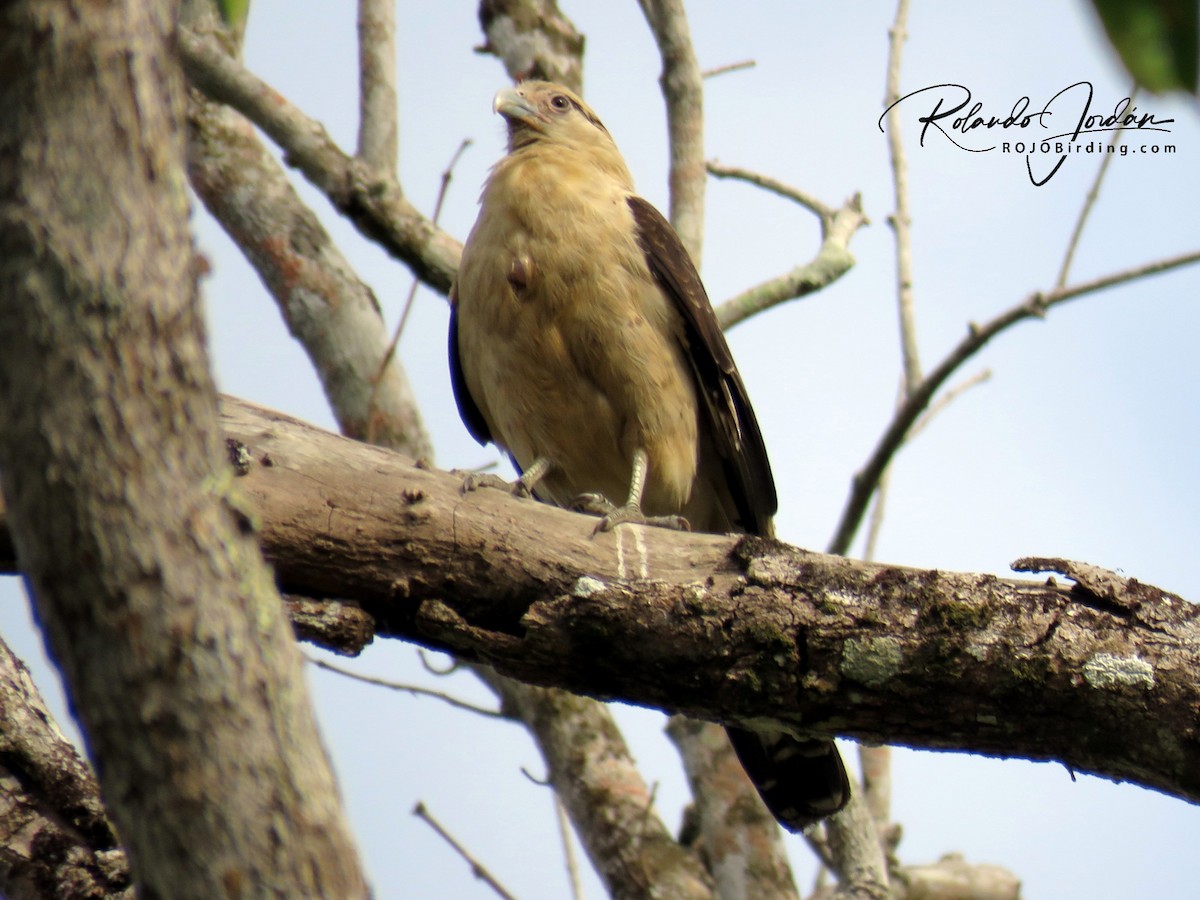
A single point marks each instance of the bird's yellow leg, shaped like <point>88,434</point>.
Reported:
<point>522,487</point>
<point>631,513</point>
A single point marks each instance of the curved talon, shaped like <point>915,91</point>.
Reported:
<point>522,487</point>
<point>473,481</point>
<point>631,514</point>
<point>595,504</point>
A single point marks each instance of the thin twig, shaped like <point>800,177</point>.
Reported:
<point>833,260</point>
<point>879,503</point>
<point>447,175</point>
<point>477,868</point>
<point>951,394</point>
<point>569,857</point>
<point>875,519</point>
<point>767,183</point>
<point>901,220</point>
<point>1032,307</point>
<point>1090,201</point>
<point>413,689</point>
<point>728,67</point>
<point>378,137</point>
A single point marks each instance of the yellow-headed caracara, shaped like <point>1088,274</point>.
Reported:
<point>583,343</point>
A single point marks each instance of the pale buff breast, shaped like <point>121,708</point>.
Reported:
<point>576,357</point>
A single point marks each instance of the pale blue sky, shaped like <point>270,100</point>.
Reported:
<point>1082,445</point>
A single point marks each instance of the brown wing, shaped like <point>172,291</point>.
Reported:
<point>731,418</point>
<point>801,781</point>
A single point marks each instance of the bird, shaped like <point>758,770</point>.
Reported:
<point>583,344</point>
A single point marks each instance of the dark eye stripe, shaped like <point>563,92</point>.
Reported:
<point>588,114</point>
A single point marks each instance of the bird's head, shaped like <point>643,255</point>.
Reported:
<point>548,113</point>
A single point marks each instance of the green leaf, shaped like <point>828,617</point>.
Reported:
<point>1157,40</point>
<point>234,12</point>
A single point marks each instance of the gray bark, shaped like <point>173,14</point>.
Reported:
<point>739,631</point>
<point>146,576</point>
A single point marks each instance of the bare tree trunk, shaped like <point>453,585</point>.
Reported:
<point>146,574</point>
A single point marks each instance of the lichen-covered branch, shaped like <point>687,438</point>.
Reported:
<point>735,833</point>
<point>739,631</point>
<point>733,630</point>
<point>148,584</point>
<point>534,40</point>
<point>55,837</point>
<point>333,314</point>
<point>594,774</point>
<point>372,201</point>
<point>857,853</point>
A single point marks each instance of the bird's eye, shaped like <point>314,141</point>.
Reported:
<point>560,103</point>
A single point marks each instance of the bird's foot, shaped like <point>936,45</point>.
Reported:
<point>630,514</point>
<point>473,481</point>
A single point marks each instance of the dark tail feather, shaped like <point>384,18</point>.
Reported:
<point>800,781</point>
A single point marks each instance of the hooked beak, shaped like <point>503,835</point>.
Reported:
<point>515,108</point>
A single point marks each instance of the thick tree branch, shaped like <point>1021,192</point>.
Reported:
<point>734,832</point>
<point>592,771</point>
<point>378,133</point>
<point>55,838</point>
<point>534,40</point>
<point>372,201</point>
<point>333,314</point>
<point>728,629</point>
<point>736,630</point>
<point>150,589</point>
<point>683,89</point>
<point>733,630</point>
